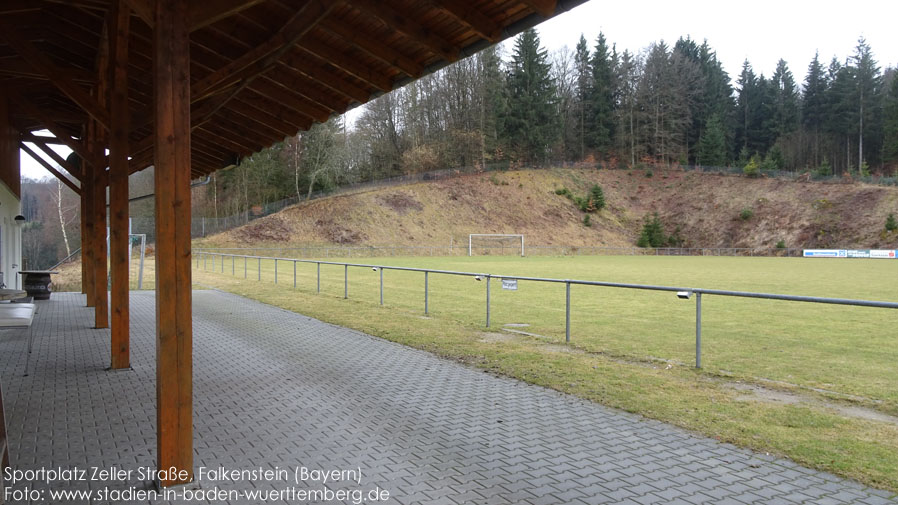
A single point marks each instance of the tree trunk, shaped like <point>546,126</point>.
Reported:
<point>65,236</point>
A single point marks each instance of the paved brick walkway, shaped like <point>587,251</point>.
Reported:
<point>279,390</point>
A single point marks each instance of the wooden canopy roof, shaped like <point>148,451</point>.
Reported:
<point>261,70</point>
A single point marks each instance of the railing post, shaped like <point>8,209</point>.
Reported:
<point>221,260</point>
<point>204,262</point>
<point>345,281</point>
<point>260,269</point>
<point>487,301</point>
<point>213,262</point>
<point>275,270</point>
<point>426,294</point>
<point>244,266</point>
<point>294,274</point>
<point>233,268</point>
<point>319,276</point>
<point>698,330</point>
<point>567,312</point>
<point>381,285</point>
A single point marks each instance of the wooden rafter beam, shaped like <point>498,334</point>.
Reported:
<point>50,168</point>
<point>200,13</point>
<point>262,57</point>
<point>348,65</point>
<point>43,146</point>
<point>34,139</point>
<point>297,60</point>
<point>206,12</point>
<point>545,8</point>
<point>56,75</point>
<point>410,28</point>
<point>374,47</point>
<point>471,16</point>
<point>20,68</point>
<point>48,123</point>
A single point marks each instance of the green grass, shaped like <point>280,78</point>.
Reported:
<point>620,337</point>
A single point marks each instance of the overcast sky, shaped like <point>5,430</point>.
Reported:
<point>761,30</point>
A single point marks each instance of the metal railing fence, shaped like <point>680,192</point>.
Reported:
<point>208,258</point>
<point>314,251</point>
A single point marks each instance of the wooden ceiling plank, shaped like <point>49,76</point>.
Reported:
<point>18,67</point>
<point>262,57</point>
<point>56,75</point>
<point>50,168</point>
<point>545,8</point>
<point>39,115</point>
<point>375,48</point>
<point>471,16</point>
<point>410,28</point>
<point>207,12</point>
<point>324,77</point>
<point>347,64</point>
<point>310,102</point>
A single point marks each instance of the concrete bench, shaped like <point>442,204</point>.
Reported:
<point>19,316</point>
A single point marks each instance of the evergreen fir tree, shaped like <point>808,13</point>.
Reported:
<point>712,150</point>
<point>785,101</point>
<point>531,120</point>
<point>813,109</point>
<point>601,100</point>
<point>584,90</point>
<point>890,123</point>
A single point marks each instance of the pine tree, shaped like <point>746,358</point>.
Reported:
<point>531,122</point>
<point>601,100</point>
<point>748,104</point>
<point>890,123</point>
<point>867,79</point>
<point>813,109</point>
<point>785,101</point>
<point>712,149</point>
<point>584,89</point>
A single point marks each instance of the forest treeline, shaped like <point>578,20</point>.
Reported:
<point>667,104</point>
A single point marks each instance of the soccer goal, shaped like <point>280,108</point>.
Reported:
<point>495,240</point>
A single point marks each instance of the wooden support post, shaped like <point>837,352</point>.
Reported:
<point>174,331</point>
<point>98,241</point>
<point>118,186</point>
<point>87,235</point>
<point>96,146</point>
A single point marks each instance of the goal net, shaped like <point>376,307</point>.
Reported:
<point>495,243</point>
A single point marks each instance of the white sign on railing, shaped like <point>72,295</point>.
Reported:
<point>510,284</point>
<point>851,253</point>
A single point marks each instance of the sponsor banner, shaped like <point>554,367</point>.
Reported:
<point>825,253</point>
<point>851,253</point>
<point>883,253</point>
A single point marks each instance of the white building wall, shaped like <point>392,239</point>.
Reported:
<point>10,238</point>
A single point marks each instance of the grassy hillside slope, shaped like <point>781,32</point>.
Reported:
<point>706,207</point>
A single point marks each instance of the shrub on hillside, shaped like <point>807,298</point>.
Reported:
<point>652,233</point>
<point>586,221</point>
<point>752,168</point>
<point>781,244</point>
<point>746,214</point>
<point>891,224</point>
<point>597,196</point>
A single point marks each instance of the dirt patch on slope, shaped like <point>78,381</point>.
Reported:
<point>268,229</point>
<point>401,203</point>
<point>339,234</point>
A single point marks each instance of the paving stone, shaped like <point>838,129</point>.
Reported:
<point>278,389</point>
